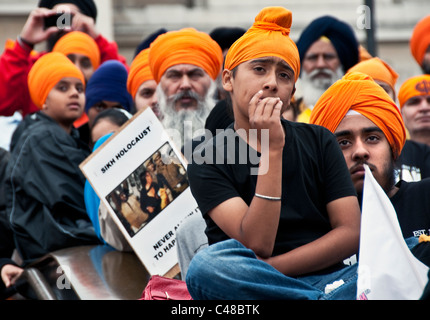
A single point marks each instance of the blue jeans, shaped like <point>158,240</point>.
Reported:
<point>228,270</point>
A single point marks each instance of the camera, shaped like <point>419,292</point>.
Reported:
<point>60,20</point>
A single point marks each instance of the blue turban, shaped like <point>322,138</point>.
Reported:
<point>109,83</point>
<point>340,34</point>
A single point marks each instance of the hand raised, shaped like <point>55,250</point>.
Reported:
<point>265,113</point>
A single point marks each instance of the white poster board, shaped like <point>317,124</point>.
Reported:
<point>116,167</point>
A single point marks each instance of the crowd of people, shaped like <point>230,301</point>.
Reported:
<point>315,112</point>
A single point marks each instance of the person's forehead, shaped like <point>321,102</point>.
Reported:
<point>184,68</point>
<point>321,46</point>
<point>270,59</point>
<point>354,123</point>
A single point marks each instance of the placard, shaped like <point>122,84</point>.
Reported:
<point>141,178</point>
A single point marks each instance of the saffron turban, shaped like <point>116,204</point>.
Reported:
<point>79,42</point>
<point>109,83</point>
<point>46,72</point>
<point>420,39</point>
<point>268,36</point>
<point>139,72</point>
<point>415,86</point>
<point>185,46</point>
<point>357,91</point>
<point>340,34</point>
<point>378,70</point>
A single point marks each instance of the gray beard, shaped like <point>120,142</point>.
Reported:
<point>312,89</point>
<point>178,123</point>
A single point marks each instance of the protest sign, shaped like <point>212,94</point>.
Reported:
<point>140,176</point>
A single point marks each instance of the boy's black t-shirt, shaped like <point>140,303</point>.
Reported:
<point>314,174</point>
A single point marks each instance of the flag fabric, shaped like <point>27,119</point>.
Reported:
<point>387,269</point>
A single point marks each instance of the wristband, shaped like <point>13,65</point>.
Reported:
<point>24,43</point>
<point>268,197</point>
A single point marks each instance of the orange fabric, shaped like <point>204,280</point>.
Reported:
<point>139,72</point>
<point>357,91</point>
<point>363,53</point>
<point>46,72</point>
<point>10,44</point>
<point>81,121</point>
<point>412,87</point>
<point>420,39</point>
<point>79,42</point>
<point>378,70</point>
<point>268,36</point>
<point>185,46</point>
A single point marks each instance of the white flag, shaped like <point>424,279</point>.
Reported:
<point>387,269</point>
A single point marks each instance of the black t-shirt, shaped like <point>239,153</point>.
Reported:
<point>314,174</point>
<point>412,205</point>
<point>414,161</point>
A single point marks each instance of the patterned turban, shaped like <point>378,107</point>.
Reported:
<point>415,86</point>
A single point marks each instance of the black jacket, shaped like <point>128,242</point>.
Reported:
<point>45,190</point>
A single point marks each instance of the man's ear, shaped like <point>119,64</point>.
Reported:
<point>294,90</point>
<point>227,78</point>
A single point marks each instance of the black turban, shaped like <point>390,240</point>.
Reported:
<point>87,7</point>
<point>148,40</point>
<point>226,36</point>
<point>340,34</point>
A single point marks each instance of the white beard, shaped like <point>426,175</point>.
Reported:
<point>312,89</point>
<point>174,120</point>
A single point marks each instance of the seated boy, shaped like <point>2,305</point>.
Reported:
<point>44,186</point>
<point>280,227</point>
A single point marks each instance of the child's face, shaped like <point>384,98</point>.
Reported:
<point>270,74</point>
<point>66,101</point>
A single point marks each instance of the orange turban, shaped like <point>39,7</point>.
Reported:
<point>79,42</point>
<point>186,46</point>
<point>46,72</point>
<point>357,91</point>
<point>378,70</point>
<point>415,86</point>
<point>363,54</point>
<point>139,72</point>
<point>420,39</point>
<point>268,36</point>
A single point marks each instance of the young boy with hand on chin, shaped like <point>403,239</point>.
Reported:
<point>279,228</point>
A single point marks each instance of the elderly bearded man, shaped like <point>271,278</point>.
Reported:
<point>185,65</point>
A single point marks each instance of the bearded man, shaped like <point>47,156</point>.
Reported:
<point>328,47</point>
<point>185,65</point>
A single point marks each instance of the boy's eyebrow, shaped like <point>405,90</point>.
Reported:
<point>271,60</point>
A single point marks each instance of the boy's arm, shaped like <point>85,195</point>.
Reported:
<point>256,226</point>
<point>338,244</point>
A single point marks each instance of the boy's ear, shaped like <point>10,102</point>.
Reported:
<point>227,78</point>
